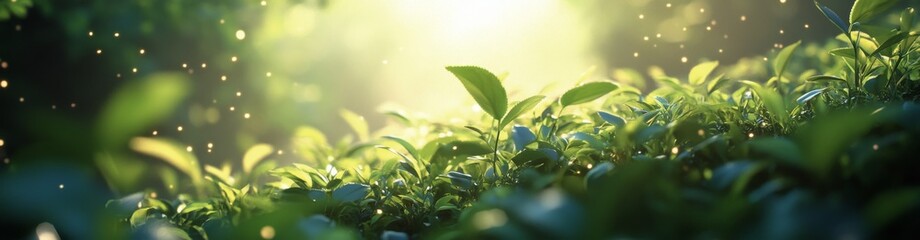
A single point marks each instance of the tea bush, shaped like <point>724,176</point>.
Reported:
<point>822,149</point>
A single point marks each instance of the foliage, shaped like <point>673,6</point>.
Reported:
<point>820,153</point>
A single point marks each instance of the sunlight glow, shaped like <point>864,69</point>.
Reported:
<point>267,232</point>
<point>240,34</point>
<point>46,231</point>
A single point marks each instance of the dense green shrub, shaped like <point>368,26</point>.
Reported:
<point>820,150</point>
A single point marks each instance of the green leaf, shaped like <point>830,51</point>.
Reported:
<point>907,23</point>
<point>399,117</point>
<point>394,235</point>
<point>195,206</point>
<point>310,137</point>
<point>612,119</point>
<point>865,10</point>
<point>228,192</point>
<point>778,148</point>
<point>772,101</point>
<point>809,95</point>
<point>350,192</point>
<point>586,93</point>
<point>357,123</point>
<point>333,183</point>
<point>844,53</point>
<point>461,180</point>
<point>735,173</point>
<point>888,206</point>
<point>139,217</point>
<point>521,136</point>
<point>518,109</point>
<point>139,104</point>
<point>170,232</point>
<point>818,78</point>
<point>597,172</point>
<point>528,155</point>
<point>170,152</point>
<point>717,83</point>
<point>405,144</point>
<point>649,133</point>
<point>462,148</point>
<point>894,40</point>
<point>223,175</point>
<point>254,155</point>
<point>485,88</point>
<point>825,138</point>
<point>782,59</point>
<point>701,71</point>
<point>295,174</point>
<point>833,17</point>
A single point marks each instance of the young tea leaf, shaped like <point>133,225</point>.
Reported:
<point>405,144</point>
<point>772,101</point>
<point>518,109</point>
<point>170,152</point>
<point>809,95</point>
<point>701,71</point>
<point>586,93</point>
<point>894,40</point>
<point>833,17</point>
<point>865,10</point>
<point>485,88</point>
<point>255,154</point>
<point>782,59</point>
<point>717,83</point>
<point>818,78</point>
<point>612,119</point>
<point>357,123</point>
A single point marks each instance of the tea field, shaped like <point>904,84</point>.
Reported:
<point>822,146</point>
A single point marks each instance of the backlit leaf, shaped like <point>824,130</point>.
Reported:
<point>485,88</point>
<point>518,109</point>
<point>865,10</point>
<point>255,154</point>
<point>137,105</point>
<point>782,59</point>
<point>169,152</point>
<point>701,71</point>
<point>586,93</point>
<point>809,95</point>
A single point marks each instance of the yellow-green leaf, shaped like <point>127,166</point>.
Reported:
<point>586,93</point>
<point>701,71</point>
<point>137,105</point>
<point>772,101</point>
<point>865,10</point>
<point>520,108</point>
<point>254,155</point>
<point>782,59</point>
<point>485,88</point>
<point>170,152</point>
<point>357,123</point>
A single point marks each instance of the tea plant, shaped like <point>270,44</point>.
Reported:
<point>817,150</point>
